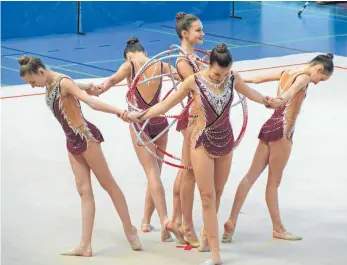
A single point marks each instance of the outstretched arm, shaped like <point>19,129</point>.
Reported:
<point>69,87</point>
<point>172,100</point>
<point>248,92</point>
<point>95,90</point>
<point>263,78</point>
<point>123,72</point>
<point>83,86</point>
<point>167,104</point>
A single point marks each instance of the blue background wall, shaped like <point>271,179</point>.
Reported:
<point>267,29</point>
<point>106,14</point>
<point>30,19</point>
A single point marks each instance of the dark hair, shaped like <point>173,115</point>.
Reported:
<point>183,22</point>
<point>221,55</point>
<point>133,45</point>
<point>326,60</point>
<point>30,65</point>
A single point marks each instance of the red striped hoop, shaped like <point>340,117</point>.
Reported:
<point>142,138</point>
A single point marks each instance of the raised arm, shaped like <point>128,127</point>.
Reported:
<point>263,78</point>
<point>175,98</point>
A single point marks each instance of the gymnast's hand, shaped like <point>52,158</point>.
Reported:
<point>89,90</point>
<point>134,116</point>
<point>95,90</point>
<point>274,103</point>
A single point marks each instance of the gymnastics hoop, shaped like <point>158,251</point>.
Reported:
<point>139,130</point>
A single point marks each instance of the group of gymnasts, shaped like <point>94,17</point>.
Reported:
<point>207,136</point>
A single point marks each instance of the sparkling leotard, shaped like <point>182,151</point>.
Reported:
<point>67,110</point>
<point>157,124</point>
<point>213,129</point>
<point>282,121</point>
<point>182,124</point>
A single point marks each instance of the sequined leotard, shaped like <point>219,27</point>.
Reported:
<point>157,124</point>
<point>67,110</point>
<point>213,129</point>
<point>282,121</point>
<point>182,124</point>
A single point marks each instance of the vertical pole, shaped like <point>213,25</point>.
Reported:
<point>79,18</point>
<point>233,11</point>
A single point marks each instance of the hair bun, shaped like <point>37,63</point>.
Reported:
<point>330,55</point>
<point>133,40</point>
<point>23,60</point>
<point>180,15</point>
<point>221,48</point>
